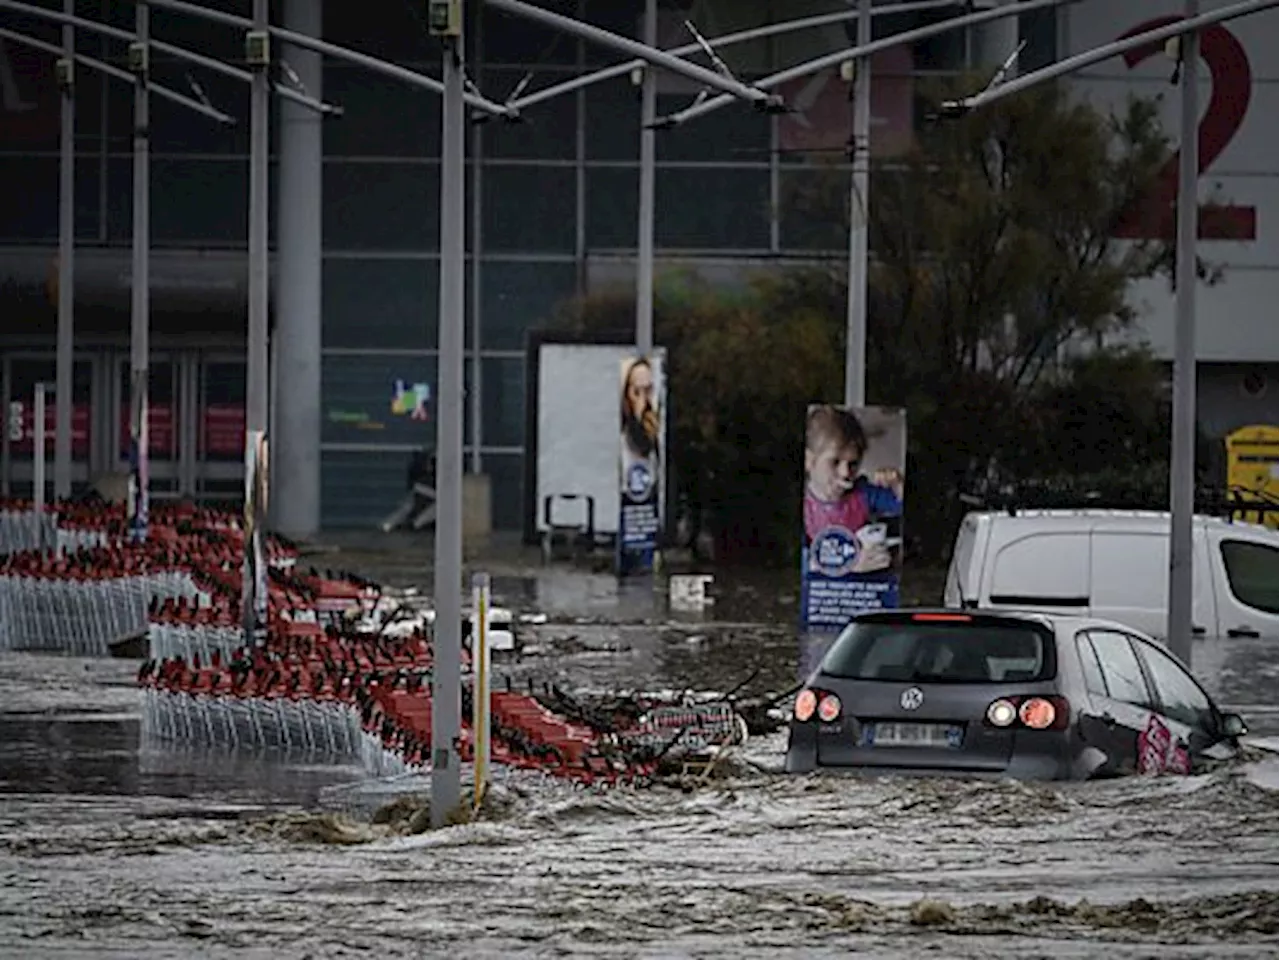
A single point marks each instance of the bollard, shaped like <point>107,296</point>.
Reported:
<point>480,683</point>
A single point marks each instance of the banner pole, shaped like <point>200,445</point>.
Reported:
<point>480,705</point>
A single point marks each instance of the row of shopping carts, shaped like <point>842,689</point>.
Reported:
<point>83,615</point>
<point>328,727</point>
<point>332,675</point>
<point>71,581</point>
<point>22,528</point>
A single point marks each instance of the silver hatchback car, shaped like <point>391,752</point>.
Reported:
<point>1007,694</point>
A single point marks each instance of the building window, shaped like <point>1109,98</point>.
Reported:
<point>383,303</point>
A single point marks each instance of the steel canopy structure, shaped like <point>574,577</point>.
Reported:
<point>68,57</point>
<point>862,52</point>
<point>181,53</point>
<point>117,73</point>
<point>729,39</point>
<point>854,61</point>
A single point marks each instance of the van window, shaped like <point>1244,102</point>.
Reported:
<point>1252,572</point>
<point>1120,669</point>
<point>1181,698</point>
<point>1047,569</point>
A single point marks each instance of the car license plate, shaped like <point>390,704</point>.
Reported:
<point>912,735</point>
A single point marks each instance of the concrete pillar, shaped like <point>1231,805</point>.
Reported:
<point>993,41</point>
<point>295,446</point>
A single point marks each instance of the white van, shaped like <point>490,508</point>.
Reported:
<point>1114,564</point>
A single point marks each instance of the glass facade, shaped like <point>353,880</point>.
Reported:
<point>553,193</point>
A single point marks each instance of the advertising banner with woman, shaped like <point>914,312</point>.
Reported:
<point>851,561</point>
<point>640,464</point>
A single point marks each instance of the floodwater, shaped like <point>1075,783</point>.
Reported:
<point>109,849</point>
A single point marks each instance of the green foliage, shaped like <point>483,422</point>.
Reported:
<point>994,271</point>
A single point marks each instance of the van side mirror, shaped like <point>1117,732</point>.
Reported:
<point>1233,725</point>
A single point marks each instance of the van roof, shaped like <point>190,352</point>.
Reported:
<point>1150,516</point>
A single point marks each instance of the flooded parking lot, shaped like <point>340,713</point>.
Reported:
<point>111,849</point>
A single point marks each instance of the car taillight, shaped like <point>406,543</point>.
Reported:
<point>1002,713</point>
<point>1033,712</point>
<point>806,704</point>
<point>829,708</point>
<point>1037,713</point>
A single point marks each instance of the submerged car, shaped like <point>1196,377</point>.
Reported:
<point>1001,693</point>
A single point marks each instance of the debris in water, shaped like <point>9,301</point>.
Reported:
<point>197,928</point>
<point>932,913</point>
<point>333,829</point>
<point>398,811</point>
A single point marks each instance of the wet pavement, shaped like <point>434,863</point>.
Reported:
<point>111,849</point>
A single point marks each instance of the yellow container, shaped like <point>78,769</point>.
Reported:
<point>1252,472</point>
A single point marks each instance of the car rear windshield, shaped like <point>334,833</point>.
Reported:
<point>942,653</point>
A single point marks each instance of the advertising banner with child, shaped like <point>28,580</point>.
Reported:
<point>640,465</point>
<point>854,466</point>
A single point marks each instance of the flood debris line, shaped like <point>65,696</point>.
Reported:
<point>344,668</point>
<point>1238,917</point>
<point>1245,914</point>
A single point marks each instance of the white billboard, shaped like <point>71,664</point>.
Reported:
<point>577,430</point>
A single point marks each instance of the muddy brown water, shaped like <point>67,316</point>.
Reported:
<point>109,848</point>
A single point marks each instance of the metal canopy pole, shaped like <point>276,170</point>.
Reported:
<point>333,50</point>
<point>181,53</point>
<point>64,365</point>
<point>446,678</point>
<point>476,396</point>
<point>860,52</point>
<point>257,43</point>
<point>658,58</point>
<point>729,39</point>
<point>120,73</point>
<point>140,280</point>
<point>1182,453</point>
<point>644,246</point>
<point>855,352</point>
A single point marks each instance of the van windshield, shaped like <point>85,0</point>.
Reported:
<point>942,653</point>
